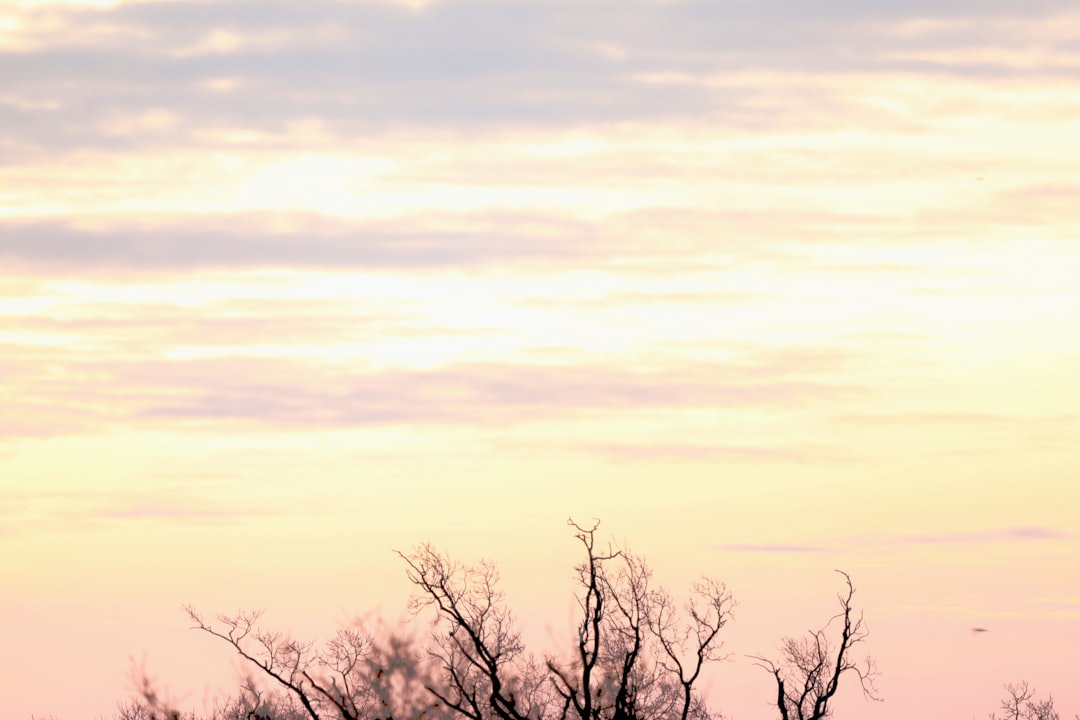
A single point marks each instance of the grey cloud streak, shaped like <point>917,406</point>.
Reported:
<point>460,66</point>
<point>231,241</point>
<point>468,394</point>
<point>78,511</point>
<point>885,544</point>
<point>287,395</point>
<point>425,241</point>
<point>707,453</point>
<point>162,511</point>
<point>1026,533</point>
<point>769,548</point>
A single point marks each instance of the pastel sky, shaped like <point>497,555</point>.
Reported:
<point>772,287</point>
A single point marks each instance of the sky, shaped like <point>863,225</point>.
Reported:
<point>771,287</point>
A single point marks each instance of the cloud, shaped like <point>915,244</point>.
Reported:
<point>161,511</point>
<point>66,510</point>
<point>288,325</point>
<point>309,241</point>
<point>769,548</point>
<point>631,298</point>
<point>74,76</point>
<point>44,420</point>
<point>289,393</point>
<point>999,535</point>
<point>476,393</point>
<point>425,240</point>
<point>1050,204</point>
<point>876,545</point>
<point>687,452</point>
<point>986,420</point>
<point>925,418</point>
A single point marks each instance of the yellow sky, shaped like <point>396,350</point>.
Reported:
<point>284,290</point>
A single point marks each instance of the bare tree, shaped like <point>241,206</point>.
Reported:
<point>1021,704</point>
<point>353,676</point>
<point>686,650</point>
<point>253,703</point>
<point>241,707</point>
<point>633,657</point>
<point>480,646</point>
<point>635,654</point>
<point>633,645</point>
<point>577,688</point>
<point>808,674</point>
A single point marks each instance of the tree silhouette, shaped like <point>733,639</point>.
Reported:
<point>634,655</point>
<point>353,676</point>
<point>808,674</point>
<point>1021,704</point>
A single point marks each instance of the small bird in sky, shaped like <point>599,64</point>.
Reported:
<point>979,630</point>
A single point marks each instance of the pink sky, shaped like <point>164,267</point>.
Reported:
<point>771,288</point>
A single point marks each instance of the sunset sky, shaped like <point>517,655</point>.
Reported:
<point>771,287</point>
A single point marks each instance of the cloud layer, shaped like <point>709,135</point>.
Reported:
<point>143,75</point>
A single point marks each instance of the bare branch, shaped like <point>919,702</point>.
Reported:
<point>481,643</point>
<point>808,676</point>
<point>1022,705</point>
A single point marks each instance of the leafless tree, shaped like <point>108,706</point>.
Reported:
<point>633,645</point>
<point>634,656</point>
<point>1021,704</point>
<point>688,647</point>
<point>242,707</point>
<point>480,649</point>
<point>148,702</point>
<point>353,676</point>
<point>808,674</point>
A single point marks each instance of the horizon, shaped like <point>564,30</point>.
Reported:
<point>771,288</point>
